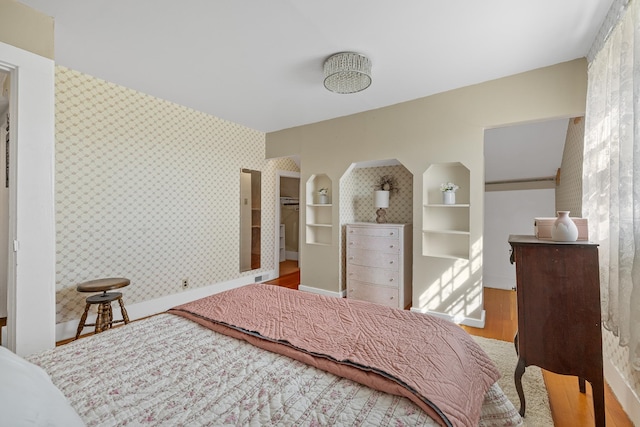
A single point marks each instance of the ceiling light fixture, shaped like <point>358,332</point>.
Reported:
<point>347,72</point>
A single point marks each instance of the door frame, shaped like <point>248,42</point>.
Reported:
<point>281,174</point>
<point>31,272</point>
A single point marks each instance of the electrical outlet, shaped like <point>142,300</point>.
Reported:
<point>185,283</point>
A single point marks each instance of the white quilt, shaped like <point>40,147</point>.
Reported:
<point>169,371</point>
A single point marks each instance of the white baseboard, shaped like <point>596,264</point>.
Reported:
<point>459,320</point>
<point>291,255</point>
<point>304,288</point>
<point>628,399</point>
<point>139,310</point>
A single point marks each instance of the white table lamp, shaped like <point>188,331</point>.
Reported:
<point>381,202</point>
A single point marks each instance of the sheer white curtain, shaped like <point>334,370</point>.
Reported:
<point>611,176</point>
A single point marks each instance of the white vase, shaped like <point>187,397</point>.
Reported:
<point>323,199</point>
<point>564,229</point>
<point>449,197</point>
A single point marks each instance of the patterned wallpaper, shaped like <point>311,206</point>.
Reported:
<point>356,195</point>
<point>356,200</point>
<point>149,190</point>
<point>569,192</point>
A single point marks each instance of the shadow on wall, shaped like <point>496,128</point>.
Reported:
<point>451,293</point>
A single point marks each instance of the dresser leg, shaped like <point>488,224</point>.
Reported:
<point>517,376</point>
<point>597,387</point>
<point>581,385</point>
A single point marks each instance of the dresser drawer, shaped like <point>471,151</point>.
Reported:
<point>390,260</point>
<point>373,293</point>
<point>373,243</point>
<point>375,232</point>
<point>377,276</point>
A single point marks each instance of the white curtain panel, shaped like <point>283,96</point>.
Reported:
<point>611,176</point>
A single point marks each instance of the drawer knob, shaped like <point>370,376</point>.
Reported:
<point>390,297</point>
<point>391,246</point>
<point>390,262</point>
<point>350,231</point>
<point>391,280</point>
<point>350,257</point>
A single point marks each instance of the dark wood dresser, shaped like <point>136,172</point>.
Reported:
<point>558,295</point>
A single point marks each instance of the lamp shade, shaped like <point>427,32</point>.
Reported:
<point>347,72</point>
<point>381,199</point>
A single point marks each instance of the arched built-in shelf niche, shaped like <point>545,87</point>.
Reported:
<point>357,187</point>
<point>319,211</point>
<point>445,227</point>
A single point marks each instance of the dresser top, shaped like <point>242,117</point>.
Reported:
<point>529,239</point>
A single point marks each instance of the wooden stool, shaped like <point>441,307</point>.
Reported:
<point>104,320</point>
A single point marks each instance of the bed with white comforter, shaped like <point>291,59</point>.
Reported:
<point>167,370</point>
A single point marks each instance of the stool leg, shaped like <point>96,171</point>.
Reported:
<point>82,320</point>
<point>125,316</point>
<point>102,317</point>
<point>109,323</point>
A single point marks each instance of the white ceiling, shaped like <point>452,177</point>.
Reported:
<point>525,151</point>
<point>259,63</point>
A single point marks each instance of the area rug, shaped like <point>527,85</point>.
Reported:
<point>538,412</point>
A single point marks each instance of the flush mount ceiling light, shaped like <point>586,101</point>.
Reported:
<point>347,72</point>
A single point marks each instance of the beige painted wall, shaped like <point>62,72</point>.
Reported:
<point>26,28</point>
<point>447,127</point>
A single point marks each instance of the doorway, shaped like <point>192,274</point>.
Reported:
<point>521,164</point>
<point>287,223</point>
<point>4,201</point>
<point>31,312</point>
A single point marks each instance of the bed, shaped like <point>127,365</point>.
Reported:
<point>218,361</point>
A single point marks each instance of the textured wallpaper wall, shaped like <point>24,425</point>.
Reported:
<point>356,195</point>
<point>149,190</point>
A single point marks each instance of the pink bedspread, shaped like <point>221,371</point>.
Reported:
<point>426,359</point>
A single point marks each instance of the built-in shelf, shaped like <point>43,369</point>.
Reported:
<point>319,219</point>
<point>282,244</point>
<point>445,228</point>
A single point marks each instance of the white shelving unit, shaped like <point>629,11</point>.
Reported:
<point>283,252</point>
<point>319,219</point>
<point>445,228</point>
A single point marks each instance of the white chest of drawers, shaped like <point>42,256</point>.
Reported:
<point>378,263</point>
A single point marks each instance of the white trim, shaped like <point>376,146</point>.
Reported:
<point>628,399</point>
<point>147,308</point>
<point>31,274</point>
<point>324,292</point>
<point>458,320</point>
<point>291,255</point>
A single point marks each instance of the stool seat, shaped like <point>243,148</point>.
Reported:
<point>104,297</point>
<point>103,285</point>
<point>104,320</point>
